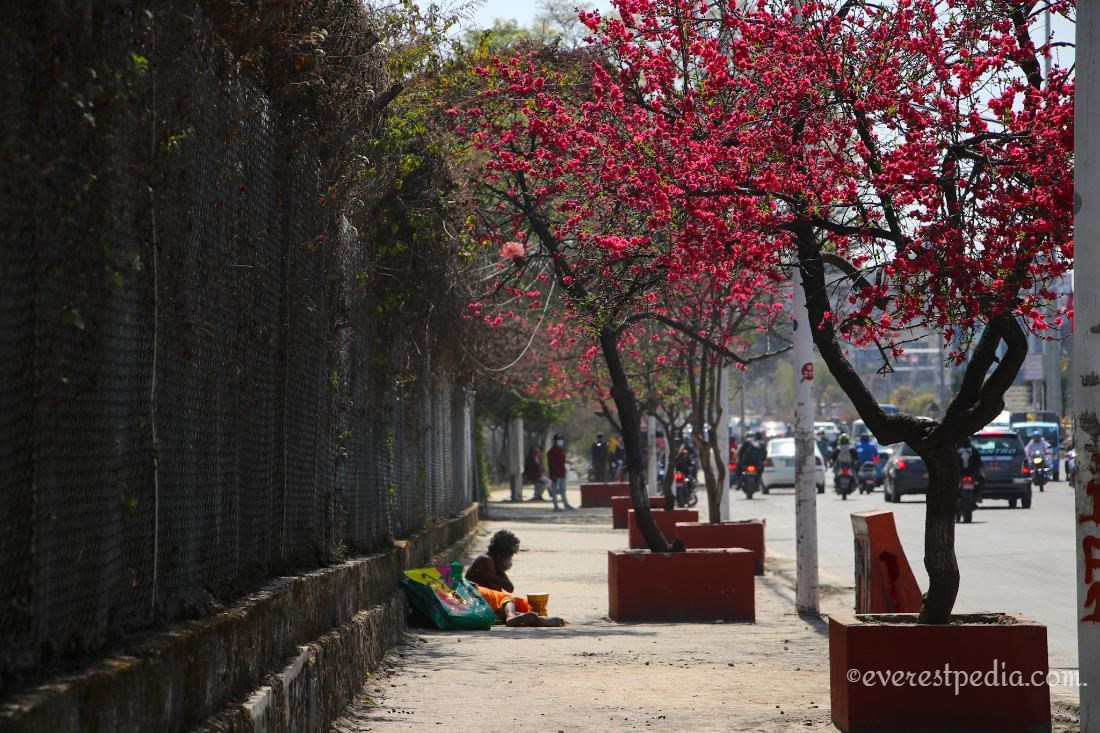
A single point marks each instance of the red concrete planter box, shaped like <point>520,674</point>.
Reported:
<point>696,585</point>
<point>666,520</point>
<point>747,534</point>
<point>599,494</point>
<point>620,505</point>
<point>878,646</point>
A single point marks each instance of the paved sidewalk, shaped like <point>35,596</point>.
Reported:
<point>597,675</point>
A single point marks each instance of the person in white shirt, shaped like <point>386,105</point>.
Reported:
<point>1039,447</point>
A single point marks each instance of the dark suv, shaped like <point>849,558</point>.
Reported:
<point>1004,463</point>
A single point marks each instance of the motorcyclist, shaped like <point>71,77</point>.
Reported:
<point>1039,447</point>
<point>970,464</point>
<point>843,455</point>
<point>866,451</point>
<point>685,464</point>
<point>752,452</point>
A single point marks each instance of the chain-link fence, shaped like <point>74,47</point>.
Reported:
<point>193,393</point>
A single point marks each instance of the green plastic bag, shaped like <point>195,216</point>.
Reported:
<point>445,596</point>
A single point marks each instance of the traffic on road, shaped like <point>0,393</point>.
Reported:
<point>1017,550</point>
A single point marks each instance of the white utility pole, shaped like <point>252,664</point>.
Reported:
<point>515,457</point>
<point>651,465</point>
<point>1052,372</point>
<point>1086,360</point>
<point>723,428</point>
<point>1052,350</point>
<point>805,487</point>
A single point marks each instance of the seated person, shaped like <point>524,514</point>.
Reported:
<point>489,573</point>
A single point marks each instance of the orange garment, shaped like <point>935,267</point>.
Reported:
<point>496,600</point>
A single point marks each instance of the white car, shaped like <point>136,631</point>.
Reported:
<point>830,429</point>
<point>774,429</point>
<point>779,466</point>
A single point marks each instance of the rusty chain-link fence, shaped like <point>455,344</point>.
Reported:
<point>194,391</point>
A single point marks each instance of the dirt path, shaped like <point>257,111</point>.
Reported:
<point>597,675</point>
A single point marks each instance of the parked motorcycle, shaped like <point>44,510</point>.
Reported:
<point>964,511</point>
<point>750,481</point>
<point>867,478</point>
<point>1039,472</point>
<point>844,481</point>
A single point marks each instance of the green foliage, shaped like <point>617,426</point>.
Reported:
<point>916,402</point>
<point>343,437</point>
<point>923,403</point>
<point>499,405</point>
<point>482,462</point>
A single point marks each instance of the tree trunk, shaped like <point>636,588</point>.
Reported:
<point>714,498</point>
<point>939,533</point>
<point>627,407</point>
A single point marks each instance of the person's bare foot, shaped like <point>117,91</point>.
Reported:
<point>552,621</point>
<point>523,619</point>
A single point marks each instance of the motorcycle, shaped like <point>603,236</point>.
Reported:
<point>867,478</point>
<point>844,481</point>
<point>685,491</point>
<point>1071,466</point>
<point>1038,472</point>
<point>965,509</point>
<point>750,480</point>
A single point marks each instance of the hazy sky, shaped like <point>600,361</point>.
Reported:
<point>520,10</point>
<point>524,10</point>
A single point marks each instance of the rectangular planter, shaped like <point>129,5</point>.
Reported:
<point>747,534</point>
<point>696,585</point>
<point>666,520</point>
<point>888,673</point>
<point>599,494</point>
<point>620,505</point>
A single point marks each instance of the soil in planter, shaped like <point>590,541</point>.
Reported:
<point>962,619</point>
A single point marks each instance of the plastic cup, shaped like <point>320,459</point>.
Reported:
<point>538,602</point>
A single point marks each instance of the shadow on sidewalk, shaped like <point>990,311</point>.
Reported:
<point>541,512</point>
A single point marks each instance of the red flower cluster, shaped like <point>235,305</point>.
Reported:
<point>918,146</point>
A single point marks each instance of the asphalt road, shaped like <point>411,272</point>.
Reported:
<point>1010,559</point>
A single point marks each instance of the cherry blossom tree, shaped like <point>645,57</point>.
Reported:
<point>553,211</point>
<point>910,159</point>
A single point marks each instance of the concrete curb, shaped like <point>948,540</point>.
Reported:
<point>323,631</point>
